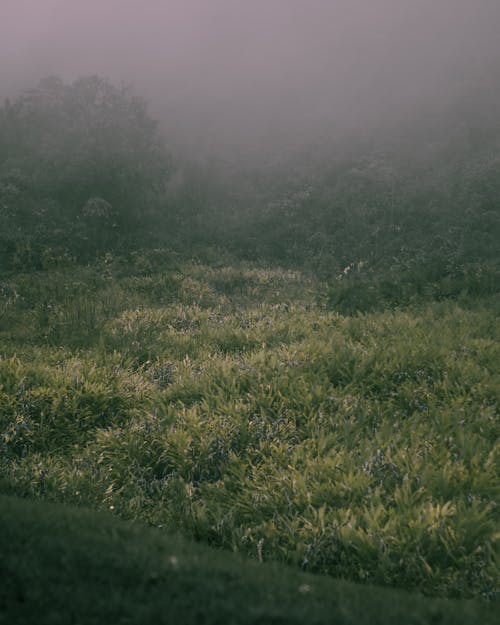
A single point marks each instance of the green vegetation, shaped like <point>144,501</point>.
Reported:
<point>81,166</point>
<point>229,404</point>
<point>62,564</point>
<point>406,215</point>
<point>298,364</point>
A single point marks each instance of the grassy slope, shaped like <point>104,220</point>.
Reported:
<point>61,564</point>
<point>226,403</point>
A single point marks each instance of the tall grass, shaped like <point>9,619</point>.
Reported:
<point>229,404</point>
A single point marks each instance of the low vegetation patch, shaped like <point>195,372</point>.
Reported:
<point>228,403</point>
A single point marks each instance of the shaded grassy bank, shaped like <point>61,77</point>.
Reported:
<point>62,564</point>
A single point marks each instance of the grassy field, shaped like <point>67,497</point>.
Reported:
<point>228,403</point>
<point>67,565</point>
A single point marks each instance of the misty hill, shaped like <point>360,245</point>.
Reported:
<point>409,210</point>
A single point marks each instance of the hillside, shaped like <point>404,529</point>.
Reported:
<point>230,404</point>
<point>62,564</point>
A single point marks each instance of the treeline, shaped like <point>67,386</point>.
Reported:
<point>409,213</point>
<point>388,229</point>
<point>82,168</point>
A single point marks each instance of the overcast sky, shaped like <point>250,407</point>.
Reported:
<point>243,70</point>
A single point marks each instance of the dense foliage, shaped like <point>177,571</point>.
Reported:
<point>228,403</point>
<point>411,214</point>
<point>405,214</point>
<point>81,167</point>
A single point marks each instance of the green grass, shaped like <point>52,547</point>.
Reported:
<point>62,564</point>
<point>229,404</point>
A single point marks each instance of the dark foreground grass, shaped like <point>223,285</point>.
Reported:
<point>60,564</point>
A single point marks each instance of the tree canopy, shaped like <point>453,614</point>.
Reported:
<point>80,162</point>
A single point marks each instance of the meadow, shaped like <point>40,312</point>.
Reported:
<point>232,402</point>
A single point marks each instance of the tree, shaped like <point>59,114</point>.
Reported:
<point>90,159</point>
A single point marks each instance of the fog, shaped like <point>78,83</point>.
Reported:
<point>246,76</point>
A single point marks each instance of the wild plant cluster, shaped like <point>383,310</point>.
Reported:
<point>230,403</point>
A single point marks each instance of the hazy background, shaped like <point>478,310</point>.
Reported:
<point>240,76</point>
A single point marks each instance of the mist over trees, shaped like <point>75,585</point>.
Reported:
<point>358,140</point>
<point>233,78</point>
<point>81,166</point>
<point>407,211</point>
